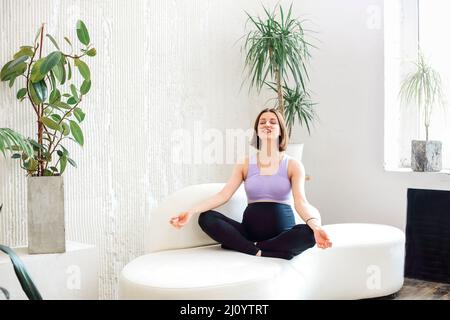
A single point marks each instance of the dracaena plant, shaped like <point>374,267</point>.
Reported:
<point>47,84</point>
<point>423,88</point>
<point>276,51</point>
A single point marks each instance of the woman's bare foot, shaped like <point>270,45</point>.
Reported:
<point>258,254</point>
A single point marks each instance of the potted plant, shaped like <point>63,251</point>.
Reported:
<point>277,51</point>
<point>22,274</point>
<point>55,99</point>
<point>423,88</point>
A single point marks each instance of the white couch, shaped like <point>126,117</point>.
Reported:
<point>366,260</point>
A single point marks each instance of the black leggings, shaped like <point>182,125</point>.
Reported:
<point>270,224</point>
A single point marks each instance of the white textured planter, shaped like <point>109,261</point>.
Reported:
<point>426,156</point>
<point>46,230</point>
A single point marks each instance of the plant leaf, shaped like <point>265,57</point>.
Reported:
<point>73,89</point>
<point>83,68</point>
<point>36,74</point>
<point>62,162</point>
<point>72,100</point>
<point>10,140</point>
<point>60,104</point>
<point>85,87</point>
<point>77,133</point>
<point>17,61</point>
<point>50,61</point>
<point>68,41</point>
<point>64,150</point>
<point>56,117</point>
<point>69,70</point>
<point>13,68</point>
<point>33,94</point>
<point>72,162</point>
<point>82,33</point>
<point>79,114</point>
<point>91,52</point>
<point>53,41</point>
<point>41,90</point>
<point>22,274</point>
<point>52,80</point>
<point>21,93</point>
<point>60,72</point>
<point>55,96</point>
<point>24,51</point>
<point>50,123</point>
<point>65,128</point>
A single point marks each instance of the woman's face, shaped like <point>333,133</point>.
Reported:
<point>268,126</point>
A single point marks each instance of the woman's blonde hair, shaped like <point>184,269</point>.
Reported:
<point>283,138</point>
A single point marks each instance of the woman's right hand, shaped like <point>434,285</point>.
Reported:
<point>181,220</point>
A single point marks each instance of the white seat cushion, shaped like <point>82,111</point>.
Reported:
<point>208,272</point>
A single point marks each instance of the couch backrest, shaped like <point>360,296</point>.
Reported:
<point>163,236</point>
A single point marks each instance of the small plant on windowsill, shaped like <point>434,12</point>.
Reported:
<point>55,99</point>
<point>423,88</point>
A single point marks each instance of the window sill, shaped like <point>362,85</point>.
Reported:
<point>409,170</point>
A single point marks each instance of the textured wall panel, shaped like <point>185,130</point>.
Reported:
<point>161,66</point>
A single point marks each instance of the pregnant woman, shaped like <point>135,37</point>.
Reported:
<point>271,178</point>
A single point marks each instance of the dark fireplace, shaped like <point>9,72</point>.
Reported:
<point>428,235</point>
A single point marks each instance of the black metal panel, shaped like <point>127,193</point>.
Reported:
<point>428,235</point>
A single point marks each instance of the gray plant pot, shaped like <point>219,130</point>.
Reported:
<point>46,229</point>
<point>426,156</point>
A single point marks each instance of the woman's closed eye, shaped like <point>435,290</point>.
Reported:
<point>271,121</point>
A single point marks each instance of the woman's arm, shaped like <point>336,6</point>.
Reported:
<point>215,201</point>
<point>223,195</point>
<point>307,212</point>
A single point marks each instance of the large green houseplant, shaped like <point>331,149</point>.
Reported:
<point>277,54</point>
<point>50,87</point>
<point>423,89</point>
<point>55,101</point>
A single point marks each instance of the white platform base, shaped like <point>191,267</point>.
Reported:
<point>62,276</point>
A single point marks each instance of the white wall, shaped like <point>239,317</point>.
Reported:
<point>161,66</point>
<point>344,154</point>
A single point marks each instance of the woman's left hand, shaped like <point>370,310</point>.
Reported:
<point>322,239</point>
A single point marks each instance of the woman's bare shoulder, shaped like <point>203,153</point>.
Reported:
<point>242,163</point>
<point>295,166</point>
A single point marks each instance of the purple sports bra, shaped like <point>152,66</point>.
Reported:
<point>275,187</point>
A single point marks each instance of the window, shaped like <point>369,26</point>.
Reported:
<point>406,23</point>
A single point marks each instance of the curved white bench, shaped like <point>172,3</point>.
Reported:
<point>366,261</point>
